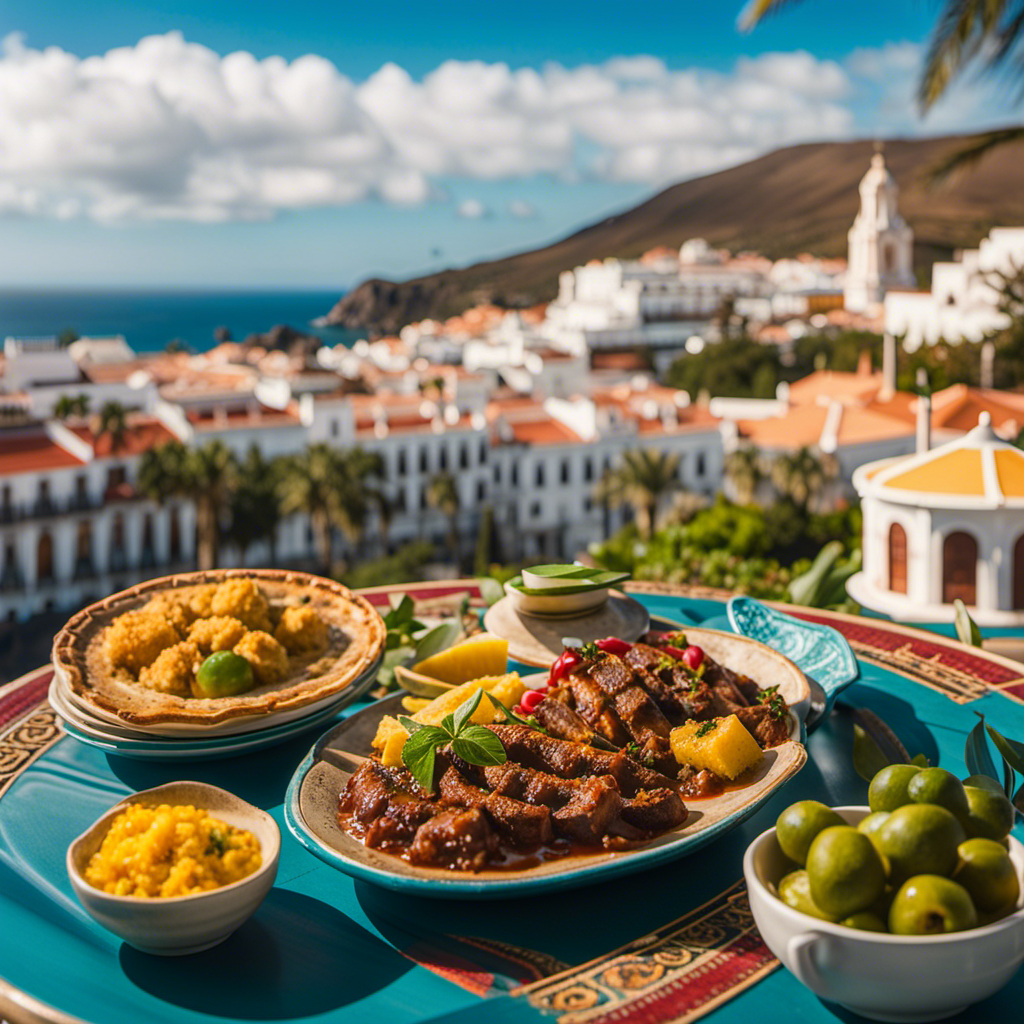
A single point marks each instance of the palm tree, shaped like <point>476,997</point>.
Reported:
<point>641,480</point>
<point>64,407</point>
<point>965,31</point>
<point>207,475</point>
<point>358,492</point>
<point>255,504</point>
<point>443,495</point>
<point>802,475</point>
<point>745,469</point>
<point>113,420</point>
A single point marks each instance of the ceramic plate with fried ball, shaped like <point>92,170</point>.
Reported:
<point>134,657</point>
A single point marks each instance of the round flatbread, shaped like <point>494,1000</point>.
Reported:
<point>356,642</point>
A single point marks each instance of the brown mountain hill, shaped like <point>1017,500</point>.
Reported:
<point>798,199</point>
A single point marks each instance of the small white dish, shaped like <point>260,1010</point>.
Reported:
<point>556,605</point>
<point>901,978</point>
<point>180,924</point>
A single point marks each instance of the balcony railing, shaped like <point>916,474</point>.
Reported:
<point>47,508</point>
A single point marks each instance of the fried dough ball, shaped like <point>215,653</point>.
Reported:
<point>200,600</point>
<point>219,633</point>
<point>172,608</point>
<point>242,599</point>
<point>302,631</point>
<point>268,658</point>
<point>174,670</point>
<point>135,639</point>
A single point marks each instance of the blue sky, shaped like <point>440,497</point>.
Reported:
<point>491,128</point>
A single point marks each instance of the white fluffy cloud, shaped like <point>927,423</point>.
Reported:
<point>170,129</point>
<point>472,209</point>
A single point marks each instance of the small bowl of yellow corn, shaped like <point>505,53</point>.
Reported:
<point>175,869</point>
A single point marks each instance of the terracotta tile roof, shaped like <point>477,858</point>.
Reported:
<point>546,430</point>
<point>958,408</point>
<point>142,434</point>
<point>833,384</point>
<point>241,419</point>
<point>26,452</point>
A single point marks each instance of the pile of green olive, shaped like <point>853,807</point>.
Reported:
<point>930,858</point>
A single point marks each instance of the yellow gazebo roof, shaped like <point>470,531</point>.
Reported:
<point>976,470</point>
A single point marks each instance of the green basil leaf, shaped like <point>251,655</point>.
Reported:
<point>411,726</point>
<point>399,613</point>
<point>976,753</point>
<point>448,725</point>
<point>1012,751</point>
<point>478,745</point>
<point>418,756</point>
<point>465,711</point>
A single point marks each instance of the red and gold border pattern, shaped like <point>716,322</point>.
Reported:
<point>29,725</point>
<point>674,975</point>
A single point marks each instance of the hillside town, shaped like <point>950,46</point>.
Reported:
<point>524,410</point>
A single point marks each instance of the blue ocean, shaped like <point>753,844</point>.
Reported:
<point>151,319</point>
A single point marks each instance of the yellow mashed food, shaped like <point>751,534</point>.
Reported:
<point>171,851</point>
<point>163,643</point>
<point>302,631</point>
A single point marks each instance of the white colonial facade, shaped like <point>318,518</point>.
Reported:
<point>963,304</point>
<point>944,524</point>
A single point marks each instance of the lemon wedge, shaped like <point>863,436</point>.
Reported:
<point>482,655</point>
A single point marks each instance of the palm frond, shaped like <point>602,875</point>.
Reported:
<point>757,10</point>
<point>968,156</point>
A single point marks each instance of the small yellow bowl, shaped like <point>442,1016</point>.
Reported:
<point>177,925</point>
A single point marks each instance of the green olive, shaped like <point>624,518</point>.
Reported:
<point>223,674</point>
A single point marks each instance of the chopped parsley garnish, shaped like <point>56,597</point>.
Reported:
<point>589,651</point>
<point>774,700</point>
<point>676,640</point>
<point>665,662</point>
<point>705,727</point>
<point>218,842</point>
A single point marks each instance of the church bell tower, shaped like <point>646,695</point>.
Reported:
<point>881,252</point>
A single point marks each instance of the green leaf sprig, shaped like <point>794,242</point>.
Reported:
<point>979,759</point>
<point>770,695</point>
<point>471,742</point>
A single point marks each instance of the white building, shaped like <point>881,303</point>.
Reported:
<point>963,304</point>
<point>945,523</point>
<point>881,243</point>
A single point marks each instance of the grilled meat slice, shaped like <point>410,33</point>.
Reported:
<point>640,715</point>
<point>726,683</point>
<point>596,708</point>
<point>763,725</point>
<point>695,694</point>
<point>560,720</point>
<point>642,655</point>
<point>695,782</point>
<point>657,754</point>
<point>398,824</point>
<point>373,787</point>
<point>528,784</point>
<point>595,804</point>
<point>573,760</point>
<point>654,810</point>
<point>455,838</point>
<point>520,824</point>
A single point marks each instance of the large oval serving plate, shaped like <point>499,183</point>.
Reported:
<point>311,807</point>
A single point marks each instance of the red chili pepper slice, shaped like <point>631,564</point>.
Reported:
<point>613,645</point>
<point>563,665</point>
<point>530,700</point>
<point>673,652</point>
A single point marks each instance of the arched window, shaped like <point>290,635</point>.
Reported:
<point>897,559</point>
<point>1018,573</point>
<point>44,558</point>
<point>959,568</point>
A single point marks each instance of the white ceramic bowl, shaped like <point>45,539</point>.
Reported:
<point>557,605</point>
<point>180,924</point>
<point>885,977</point>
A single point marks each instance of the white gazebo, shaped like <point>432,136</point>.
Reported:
<point>945,523</point>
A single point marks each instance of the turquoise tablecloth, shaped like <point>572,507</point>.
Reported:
<point>324,948</point>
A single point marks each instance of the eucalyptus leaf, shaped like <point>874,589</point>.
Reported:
<point>438,639</point>
<point>966,628</point>
<point>976,753</point>
<point>465,711</point>
<point>478,745</point>
<point>418,755</point>
<point>868,759</point>
<point>1013,752</point>
<point>491,591</point>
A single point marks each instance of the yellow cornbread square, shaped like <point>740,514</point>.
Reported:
<point>722,745</point>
